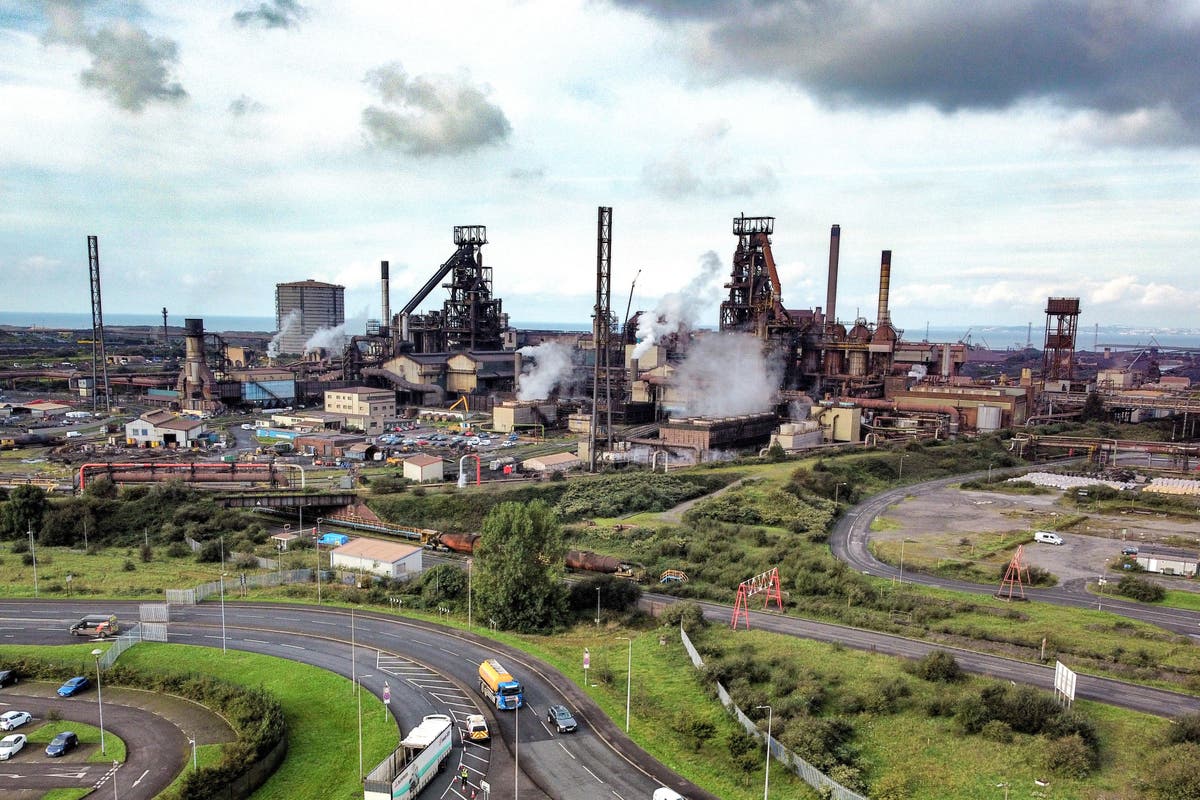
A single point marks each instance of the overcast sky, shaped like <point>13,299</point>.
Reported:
<point>1004,151</point>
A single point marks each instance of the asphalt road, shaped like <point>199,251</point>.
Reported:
<point>849,543</point>
<point>428,668</point>
<point>156,749</point>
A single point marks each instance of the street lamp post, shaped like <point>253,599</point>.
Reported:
<point>900,472</point>
<point>597,606</point>
<point>33,555</point>
<point>469,562</point>
<point>195,765</point>
<point>990,460</point>
<point>222,613</point>
<point>902,543</point>
<point>835,496</point>
<point>767,778</point>
<point>99,699</point>
<point>628,679</point>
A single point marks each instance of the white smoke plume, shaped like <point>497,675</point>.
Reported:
<point>288,325</point>
<point>726,375</point>
<point>552,366</point>
<point>332,339</point>
<point>678,312</point>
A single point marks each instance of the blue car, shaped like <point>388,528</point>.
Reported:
<point>62,744</point>
<point>73,686</point>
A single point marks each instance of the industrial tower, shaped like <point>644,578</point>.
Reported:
<point>603,324</point>
<point>1062,321</point>
<point>99,359</point>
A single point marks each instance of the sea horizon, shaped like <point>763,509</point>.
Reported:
<point>993,337</point>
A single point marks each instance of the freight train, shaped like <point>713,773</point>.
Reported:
<point>583,560</point>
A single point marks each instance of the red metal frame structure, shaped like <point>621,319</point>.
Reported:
<point>1012,578</point>
<point>768,583</point>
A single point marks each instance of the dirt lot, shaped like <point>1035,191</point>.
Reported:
<point>952,524</point>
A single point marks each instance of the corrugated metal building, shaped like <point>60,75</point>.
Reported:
<point>318,305</point>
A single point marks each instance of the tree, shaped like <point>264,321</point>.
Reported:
<point>23,512</point>
<point>519,567</point>
<point>1093,408</point>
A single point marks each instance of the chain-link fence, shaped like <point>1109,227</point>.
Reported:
<point>807,772</point>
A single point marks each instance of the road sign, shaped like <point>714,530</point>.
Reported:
<point>587,658</point>
<point>387,694</point>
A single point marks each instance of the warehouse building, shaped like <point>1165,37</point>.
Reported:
<point>389,559</point>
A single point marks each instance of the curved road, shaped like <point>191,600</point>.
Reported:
<point>849,543</point>
<point>428,668</point>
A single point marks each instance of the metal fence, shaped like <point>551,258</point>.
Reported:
<point>807,772</point>
<point>119,645</point>
<point>235,584</point>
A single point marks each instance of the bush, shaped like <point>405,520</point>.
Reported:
<point>128,566</point>
<point>147,553</point>
<point>1140,589</point>
<point>688,612</point>
<point>178,550</point>
<point>997,731</point>
<point>1070,756</point>
<point>938,666</point>
<point>1185,729</point>
<point>697,730</point>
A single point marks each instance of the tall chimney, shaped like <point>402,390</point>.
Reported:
<point>387,306</point>
<point>885,278</point>
<point>835,245</point>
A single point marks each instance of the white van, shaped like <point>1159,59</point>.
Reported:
<point>667,794</point>
<point>1047,537</point>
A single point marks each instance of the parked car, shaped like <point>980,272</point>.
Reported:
<point>62,744</point>
<point>14,719</point>
<point>1129,550</point>
<point>74,686</point>
<point>561,718</point>
<point>11,745</point>
<point>8,677</point>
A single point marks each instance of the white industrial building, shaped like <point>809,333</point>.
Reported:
<point>390,559</point>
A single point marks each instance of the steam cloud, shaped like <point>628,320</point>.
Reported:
<point>678,311</point>
<point>289,324</point>
<point>726,375</point>
<point>553,365</point>
<point>328,339</point>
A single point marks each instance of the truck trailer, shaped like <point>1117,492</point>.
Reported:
<point>421,755</point>
<point>497,685</point>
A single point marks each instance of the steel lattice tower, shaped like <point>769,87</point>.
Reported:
<point>99,360</point>
<point>602,331</point>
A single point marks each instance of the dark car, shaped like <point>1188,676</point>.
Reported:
<point>561,719</point>
<point>8,677</point>
<point>74,686</point>
<point>1130,550</point>
<point>62,744</point>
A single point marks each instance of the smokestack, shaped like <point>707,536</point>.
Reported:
<point>518,363</point>
<point>835,245</point>
<point>387,306</point>
<point>885,279</point>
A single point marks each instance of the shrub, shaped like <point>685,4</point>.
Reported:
<point>997,731</point>
<point>688,612</point>
<point>1185,729</point>
<point>1070,756</point>
<point>128,566</point>
<point>178,550</point>
<point>1140,589</point>
<point>696,729</point>
<point>938,666</point>
<point>147,553</point>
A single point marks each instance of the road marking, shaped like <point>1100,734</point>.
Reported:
<point>614,791</point>
<point>293,646</point>
<point>256,641</point>
<point>565,750</point>
<point>589,772</point>
<point>139,780</point>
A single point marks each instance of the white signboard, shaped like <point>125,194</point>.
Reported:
<point>1064,680</point>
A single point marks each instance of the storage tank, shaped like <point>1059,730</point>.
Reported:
<point>988,418</point>
<point>858,363</point>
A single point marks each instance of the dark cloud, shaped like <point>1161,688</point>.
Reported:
<point>244,105</point>
<point>431,115</point>
<point>1111,58</point>
<point>275,14</point>
<point>128,64</point>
